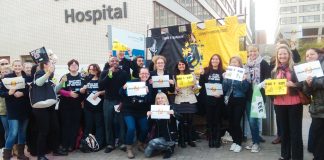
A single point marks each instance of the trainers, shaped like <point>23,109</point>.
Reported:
<point>233,147</point>
<point>249,147</point>
<point>237,148</point>
<point>255,148</point>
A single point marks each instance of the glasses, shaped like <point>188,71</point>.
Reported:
<point>2,64</point>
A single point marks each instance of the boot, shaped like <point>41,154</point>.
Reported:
<point>15,150</point>
<point>6,155</point>
<point>141,146</point>
<point>21,152</point>
<point>129,149</point>
<point>188,128</point>
<point>182,134</point>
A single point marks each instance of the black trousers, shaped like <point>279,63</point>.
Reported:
<point>47,124</point>
<point>70,124</point>
<point>236,108</point>
<point>290,121</point>
<point>318,137</point>
<point>213,118</point>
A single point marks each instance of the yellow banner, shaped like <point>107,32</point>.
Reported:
<point>220,39</point>
<point>117,46</point>
<point>185,80</point>
<point>276,87</point>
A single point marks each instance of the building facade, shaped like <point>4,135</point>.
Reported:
<point>305,15</point>
<point>79,29</point>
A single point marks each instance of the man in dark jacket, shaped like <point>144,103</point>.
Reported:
<point>112,80</point>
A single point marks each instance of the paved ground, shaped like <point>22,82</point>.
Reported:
<point>201,152</point>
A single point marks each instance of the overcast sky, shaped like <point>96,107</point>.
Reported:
<point>266,14</point>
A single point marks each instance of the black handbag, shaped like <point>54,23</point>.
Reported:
<point>42,96</point>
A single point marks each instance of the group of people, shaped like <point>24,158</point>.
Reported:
<point>119,120</point>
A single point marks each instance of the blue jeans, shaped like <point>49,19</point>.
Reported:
<point>131,121</point>
<point>4,121</point>
<point>17,128</point>
<point>254,125</point>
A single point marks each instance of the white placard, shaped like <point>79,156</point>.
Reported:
<point>234,73</point>
<point>93,101</point>
<point>136,88</point>
<point>14,83</point>
<point>304,70</point>
<point>161,81</point>
<point>214,88</point>
<point>160,111</point>
<point>117,108</point>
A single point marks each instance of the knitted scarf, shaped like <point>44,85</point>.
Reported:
<point>253,69</point>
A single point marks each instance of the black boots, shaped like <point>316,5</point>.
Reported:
<point>214,140</point>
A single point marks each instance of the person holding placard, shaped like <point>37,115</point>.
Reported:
<point>185,102</point>
<point>134,109</point>
<point>258,70</point>
<point>159,71</point>
<point>214,104</point>
<point>289,110</point>
<point>93,113</point>
<point>112,80</point>
<point>18,110</point>
<point>314,86</point>
<point>236,101</point>
<point>165,130</point>
<point>70,105</point>
<point>45,116</point>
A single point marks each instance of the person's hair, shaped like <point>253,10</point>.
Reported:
<point>238,59</point>
<point>139,71</point>
<point>110,58</point>
<point>253,47</point>
<point>71,62</point>
<point>96,67</point>
<point>283,41</point>
<point>317,50</point>
<point>15,61</point>
<point>138,57</point>
<point>186,71</point>
<point>156,58</point>
<point>34,69</point>
<point>210,66</point>
<point>161,94</point>
<point>290,60</point>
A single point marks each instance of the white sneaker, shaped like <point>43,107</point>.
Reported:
<point>237,149</point>
<point>233,146</point>
<point>255,148</point>
<point>249,147</point>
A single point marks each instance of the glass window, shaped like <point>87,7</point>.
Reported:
<point>163,17</point>
<point>291,9</point>
<point>288,20</point>
<point>156,15</point>
<point>309,19</point>
<point>309,8</point>
<point>172,19</point>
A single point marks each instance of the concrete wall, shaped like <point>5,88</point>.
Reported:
<point>27,25</point>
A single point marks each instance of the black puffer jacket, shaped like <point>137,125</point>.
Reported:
<point>316,89</point>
